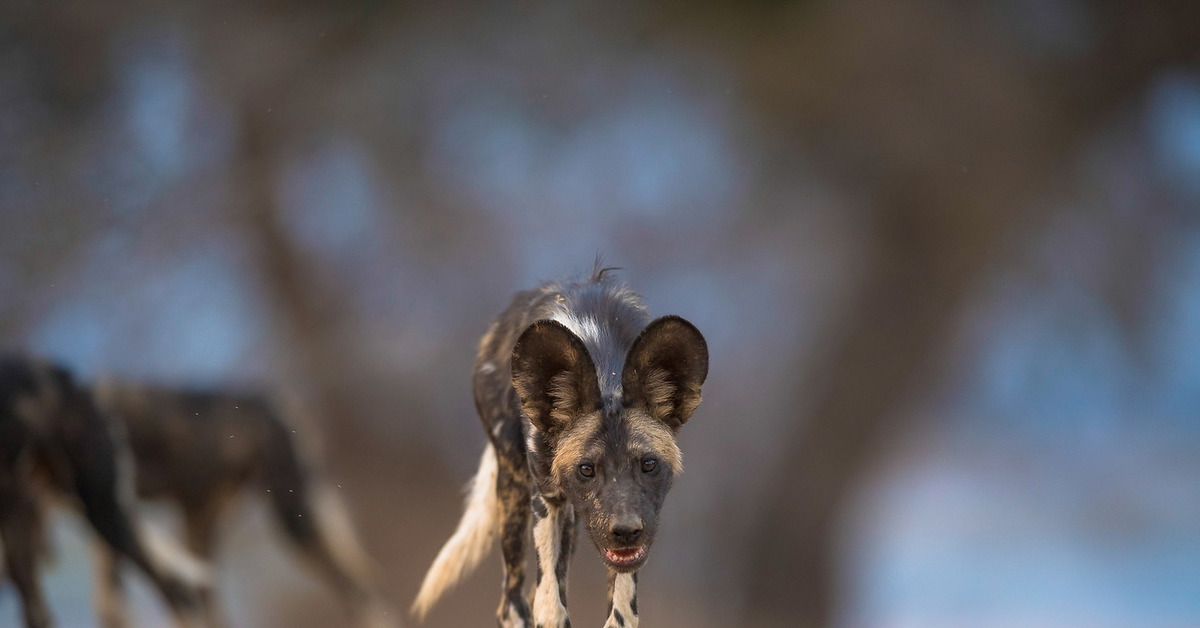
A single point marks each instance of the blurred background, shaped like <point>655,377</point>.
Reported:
<point>946,255</point>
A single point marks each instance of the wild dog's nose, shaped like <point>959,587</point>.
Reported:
<point>627,529</point>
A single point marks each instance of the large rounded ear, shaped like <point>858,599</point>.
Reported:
<point>554,376</point>
<point>665,368</point>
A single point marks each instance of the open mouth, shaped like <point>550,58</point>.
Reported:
<point>626,557</point>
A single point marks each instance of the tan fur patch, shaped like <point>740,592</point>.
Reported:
<point>666,399</point>
<point>572,445</point>
<point>660,393</point>
<point>689,400</point>
<point>486,342</point>
<point>648,433</point>
<point>564,391</point>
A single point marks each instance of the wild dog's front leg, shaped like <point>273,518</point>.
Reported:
<point>512,489</point>
<point>21,529</point>
<point>622,600</point>
<point>553,528</point>
<point>108,591</point>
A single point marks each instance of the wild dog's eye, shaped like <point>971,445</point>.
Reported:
<point>649,465</point>
<point>586,470</point>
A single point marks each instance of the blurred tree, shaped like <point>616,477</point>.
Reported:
<point>951,160</point>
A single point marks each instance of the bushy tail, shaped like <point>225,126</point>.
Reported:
<point>471,541</point>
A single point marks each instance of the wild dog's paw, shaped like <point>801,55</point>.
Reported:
<point>557,619</point>
<point>617,619</point>
<point>622,620</point>
<point>548,611</point>
<point>513,615</point>
<point>512,622</point>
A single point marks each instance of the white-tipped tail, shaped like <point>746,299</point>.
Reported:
<point>172,560</point>
<point>471,541</point>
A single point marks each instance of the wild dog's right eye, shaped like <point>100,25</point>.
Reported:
<point>587,470</point>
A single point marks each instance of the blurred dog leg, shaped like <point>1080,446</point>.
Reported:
<point>21,529</point>
<point>108,592</point>
<point>200,520</point>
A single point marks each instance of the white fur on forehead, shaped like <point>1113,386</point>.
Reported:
<point>586,327</point>
<point>594,336</point>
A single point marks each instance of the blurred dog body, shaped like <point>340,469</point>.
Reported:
<point>201,449</point>
<point>55,442</point>
<point>581,396</point>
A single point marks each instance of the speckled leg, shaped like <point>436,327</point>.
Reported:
<point>553,532</point>
<point>622,600</point>
<point>512,488</point>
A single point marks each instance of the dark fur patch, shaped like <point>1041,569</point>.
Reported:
<point>516,601</point>
<point>564,556</point>
<point>539,507</point>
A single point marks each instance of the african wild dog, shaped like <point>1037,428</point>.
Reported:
<point>54,441</point>
<point>581,395</point>
<point>200,449</point>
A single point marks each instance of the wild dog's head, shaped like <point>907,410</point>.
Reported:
<point>611,452</point>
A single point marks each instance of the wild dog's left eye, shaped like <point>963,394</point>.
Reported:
<point>649,464</point>
<point>586,470</point>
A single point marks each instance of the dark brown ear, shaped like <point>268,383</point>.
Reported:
<point>554,376</point>
<point>665,368</point>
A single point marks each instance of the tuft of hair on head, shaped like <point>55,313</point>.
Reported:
<point>599,270</point>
